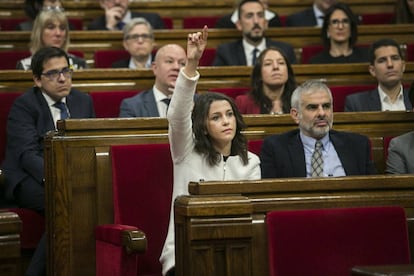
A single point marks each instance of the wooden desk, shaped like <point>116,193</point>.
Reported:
<point>79,179</point>
<point>220,228</point>
<point>10,227</point>
<point>389,270</point>
<point>211,77</point>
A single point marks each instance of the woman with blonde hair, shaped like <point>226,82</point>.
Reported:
<point>50,29</point>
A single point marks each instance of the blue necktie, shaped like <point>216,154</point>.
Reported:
<point>120,25</point>
<point>254,57</point>
<point>63,110</point>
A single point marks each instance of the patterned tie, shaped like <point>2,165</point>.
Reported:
<point>254,56</point>
<point>317,160</point>
<point>63,110</point>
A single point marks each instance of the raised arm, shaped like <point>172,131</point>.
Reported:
<point>196,43</point>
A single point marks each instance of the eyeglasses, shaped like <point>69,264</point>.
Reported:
<point>53,8</point>
<point>337,22</point>
<point>55,74</point>
<point>136,37</point>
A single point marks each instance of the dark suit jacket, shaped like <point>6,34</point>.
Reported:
<point>283,155</point>
<point>232,53</point>
<point>305,18</point>
<point>226,23</point>
<point>28,122</point>
<point>370,101</point>
<point>153,18</point>
<point>123,63</point>
<point>141,105</point>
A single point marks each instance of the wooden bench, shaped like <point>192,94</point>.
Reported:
<point>211,77</point>
<point>177,10</point>
<point>221,227</point>
<point>90,41</point>
<point>78,172</point>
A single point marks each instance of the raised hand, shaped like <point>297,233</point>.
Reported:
<point>196,44</point>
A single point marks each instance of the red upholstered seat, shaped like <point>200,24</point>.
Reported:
<point>331,241</point>
<point>105,58</point>
<point>107,103</point>
<point>409,53</point>
<point>168,22</point>
<point>376,18</point>
<point>310,51</point>
<point>255,146</point>
<point>33,227</point>
<point>9,59</point>
<point>10,24</point>
<point>208,57</point>
<point>232,92</point>
<point>198,22</point>
<point>142,177</point>
<point>340,92</point>
<point>6,101</point>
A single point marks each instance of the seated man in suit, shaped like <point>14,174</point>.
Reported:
<point>139,42</point>
<point>31,117</point>
<point>387,66</point>
<point>229,20</point>
<point>312,16</point>
<point>154,102</point>
<point>400,158</point>
<point>315,149</point>
<point>252,24</point>
<point>117,15</point>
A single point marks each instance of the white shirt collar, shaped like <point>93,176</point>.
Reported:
<point>248,50</point>
<point>318,13</point>
<point>386,102</point>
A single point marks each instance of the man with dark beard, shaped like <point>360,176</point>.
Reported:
<point>315,150</point>
<point>252,23</point>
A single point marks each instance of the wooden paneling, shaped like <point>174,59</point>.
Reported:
<point>78,180</point>
<point>233,215</point>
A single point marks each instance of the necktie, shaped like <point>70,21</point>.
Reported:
<point>317,160</point>
<point>167,102</point>
<point>254,56</point>
<point>120,25</point>
<point>63,110</point>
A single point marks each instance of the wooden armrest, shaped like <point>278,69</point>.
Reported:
<point>134,241</point>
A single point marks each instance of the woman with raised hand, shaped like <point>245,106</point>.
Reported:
<point>205,138</point>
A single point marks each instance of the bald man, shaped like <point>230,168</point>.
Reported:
<point>154,102</point>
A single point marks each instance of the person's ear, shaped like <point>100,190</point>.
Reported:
<point>37,81</point>
<point>294,114</point>
<point>371,69</point>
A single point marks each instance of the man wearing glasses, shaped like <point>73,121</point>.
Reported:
<point>117,14</point>
<point>31,116</point>
<point>139,43</point>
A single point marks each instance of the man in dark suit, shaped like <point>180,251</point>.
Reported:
<point>387,66</point>
<point>252,24</point>
<point>154,102</point>
<point>139,43</point>
<point>31,116</point>
<point>117,15</point>
<point>315,149</point>
<point>229,20</point>
<point>312,16</point>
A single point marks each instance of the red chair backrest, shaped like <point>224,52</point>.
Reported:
<point>76,23</point>
<point>105,58</point>
<point>142,177</point>
<point>198,22</point>
<point>340,92</point>
<point>107,103</point>
<point>10,24</point>
<point>6,101</point>
<point>255,146</point>
<point>332,241</point>
<point>168,22</point>
<point>310,51</point>
<point>9,59</point>
<point>208,57</point>
<point>376,18</point>
<point>409,52</point>
<point>232,92</point>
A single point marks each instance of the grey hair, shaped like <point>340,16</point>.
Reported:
<point>308,87</point>
<point>137,21</point>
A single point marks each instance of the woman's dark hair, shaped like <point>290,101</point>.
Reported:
<point>257,92</point>
<point>203,142</point>
<point>353,21</point>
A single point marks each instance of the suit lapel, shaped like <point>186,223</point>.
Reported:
<point>241,57</point>
<point>151,105</point>
<point>297,155</point>
<point>344,154</point>
<point>374,102</point>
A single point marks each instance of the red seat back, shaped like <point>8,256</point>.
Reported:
<point>208,57</point>
<point>232,92</point>
<point>409,53</point>
<point>376,18</point>
<point>168,22</point>
<point>107,103</point>
<point>332,241</point>
<point>9,59</point>
<point>10,24</point>
<point>255,146</point>
<point>340,92</point>
<point>6,101</point>
<point>142,177</point>
<point>105,58</point>
<point>198,22</point>
<point>309,51</point>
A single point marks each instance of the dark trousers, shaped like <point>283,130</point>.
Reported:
<point>30,194</point>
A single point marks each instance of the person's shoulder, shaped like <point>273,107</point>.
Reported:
<point>230,44</point>
<point>122,63</point>
<point>283,137</point>
<point>140,96</point>
<point>360,95</point>
<point>349,136</point>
